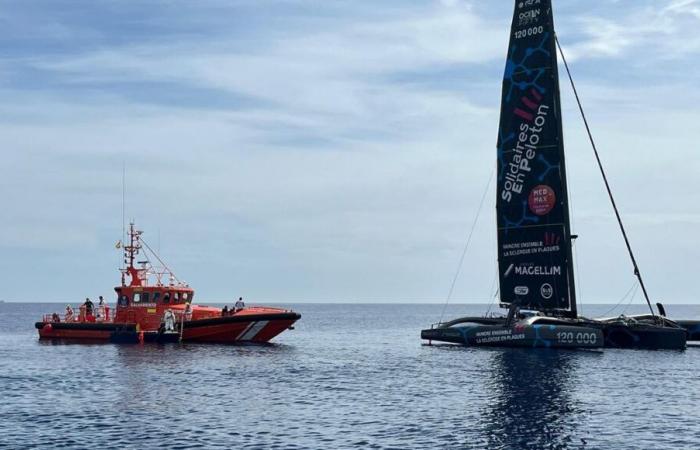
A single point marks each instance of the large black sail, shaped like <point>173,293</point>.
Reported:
<point>534,246</point>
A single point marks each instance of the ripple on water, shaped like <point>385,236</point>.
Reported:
<point>338,383</point>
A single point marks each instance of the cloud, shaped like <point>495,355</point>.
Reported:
<point>643,31</point>
<point>691,7</point>
<point>306,151</point>
<point>301,72</point>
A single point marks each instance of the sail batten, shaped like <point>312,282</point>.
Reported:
<point>534,239</point>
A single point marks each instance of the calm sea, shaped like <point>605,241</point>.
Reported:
<point>348,376</point>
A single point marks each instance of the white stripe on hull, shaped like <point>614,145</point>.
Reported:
<point>245,330</point>
<point>257,326</point>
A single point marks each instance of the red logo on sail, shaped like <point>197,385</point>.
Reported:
<point>532,104</point>
<point>541,199</point>
<point>551,239</point>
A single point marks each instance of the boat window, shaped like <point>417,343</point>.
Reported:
<point>123,300</point>
<point>156,297</point>
<point>177,297</point>
<point>144,297</point>
<point>166,298</point>
<point>185,296</point>
<point>137,297</point>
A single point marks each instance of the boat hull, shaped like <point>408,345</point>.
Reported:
<point>232,329</point>
<point>76,330</point>
<point>614,334</point>
<point>258,328</point>
<point>692,327</point>
<point>548,336</point>
<point>644,337</point>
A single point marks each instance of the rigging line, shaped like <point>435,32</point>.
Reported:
<point>160,260</point>
<point>634,294</point>
<point>574,253</point>
<point>637,273</point>
<point>492,300</point>
<point>624,297</point>
<point>578,279</point>
<point>493,292</point>
<point>466,246</point>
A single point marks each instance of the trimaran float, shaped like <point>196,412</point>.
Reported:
<point>536,276</point>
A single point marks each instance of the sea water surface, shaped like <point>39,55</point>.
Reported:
<point>348,376</point>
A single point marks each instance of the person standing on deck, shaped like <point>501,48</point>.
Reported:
<point>239,304</point>
<point>101,310</point>
<point>169,320</point>
<point>188,312</point>
<point>88,306</point>
<point>224,311</point>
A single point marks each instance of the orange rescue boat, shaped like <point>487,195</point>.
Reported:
<point>162,312</point>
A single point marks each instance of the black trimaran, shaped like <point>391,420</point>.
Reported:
<point>534,236</point>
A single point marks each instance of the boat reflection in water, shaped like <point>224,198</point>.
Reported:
<point>534,404</point>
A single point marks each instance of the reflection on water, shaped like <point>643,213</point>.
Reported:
<point>533,399</point>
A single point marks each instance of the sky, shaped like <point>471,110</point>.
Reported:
<point>305,151</point>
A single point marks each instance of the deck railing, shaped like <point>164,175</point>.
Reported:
<point>99,314</point>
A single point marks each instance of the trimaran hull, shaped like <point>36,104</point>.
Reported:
<point>692,327</point>
<point>577,333</point>
<point>519,335</point>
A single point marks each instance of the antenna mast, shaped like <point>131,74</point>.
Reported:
<point>124,201</point>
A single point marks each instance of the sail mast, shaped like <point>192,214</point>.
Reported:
<point>565,186</point>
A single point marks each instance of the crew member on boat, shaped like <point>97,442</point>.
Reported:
<point>188,312</point>
<point>169,319</point>
<point>69,313</point>
<point>224,311</point>
<point>239,304</point>
<point>101,309</point>
<point>88,306</point>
